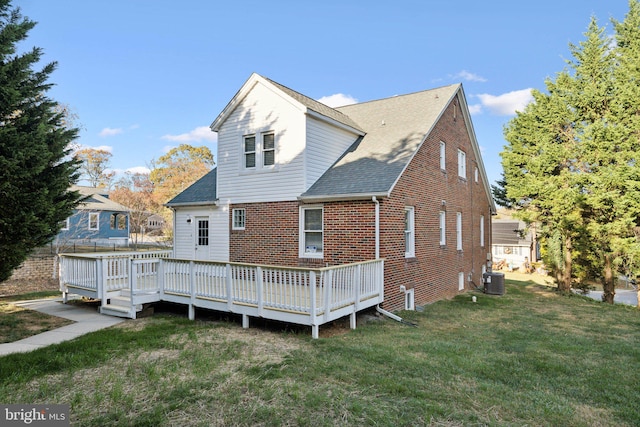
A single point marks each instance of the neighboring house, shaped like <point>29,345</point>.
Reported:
<point>298,183</point>
<point>96,220</point>
<point>512,244</point>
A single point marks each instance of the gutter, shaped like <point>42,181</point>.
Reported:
<point>341,197</point>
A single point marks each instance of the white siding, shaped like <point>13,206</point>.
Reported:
<point>325,144</point>
<point>184,232</point>
<point>262,109</point>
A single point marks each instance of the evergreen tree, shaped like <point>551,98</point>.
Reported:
<point>571,162</point>
<point>35,170</point>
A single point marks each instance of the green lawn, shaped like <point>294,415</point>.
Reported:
<point>529,358</point>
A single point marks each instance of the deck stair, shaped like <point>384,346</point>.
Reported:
<point>120,305</point>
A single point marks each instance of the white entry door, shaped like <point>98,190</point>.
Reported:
<point>202,238</point>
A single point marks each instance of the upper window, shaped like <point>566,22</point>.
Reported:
<point>94,223</point>
<point>475,174</point>
<point>239,218</point>
<point>250,151</point>
<point>459,231</point>
<point>443,164</point>
<point>259,150</point>
<point>64,225</point>
<point>409,232</point>
<point>482,231</point>
<point>268,149</point>
<point>443,228</point>
<point>462,164</point>
<point>311,232</point>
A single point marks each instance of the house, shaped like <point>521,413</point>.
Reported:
<point>512,244</point>
<point>97,220</point>
<point>298,183</point>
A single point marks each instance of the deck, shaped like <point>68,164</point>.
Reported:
<point>125,281</point>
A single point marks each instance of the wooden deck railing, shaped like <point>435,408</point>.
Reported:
<point>298,295</point>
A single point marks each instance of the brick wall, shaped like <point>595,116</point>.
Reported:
<point>37,268</point>
<point>433,273</point>
<point>272,229</point>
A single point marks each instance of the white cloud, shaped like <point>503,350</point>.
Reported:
<point>110,132</point>
<point>199,134</point>
<point>139,169</point>
<point>508,103</point>
<point>475,109</point>
<point>338,100</point>
<point>470,77</point>
<point>107,148</point>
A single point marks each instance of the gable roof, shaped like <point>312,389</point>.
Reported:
<point>201,192</point>
<point>395,128</point>
<point>97,199</point>
<point>510,232</point>
<point>304,103</point>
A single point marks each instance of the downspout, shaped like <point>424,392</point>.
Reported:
<point>378,308</point>
<point>374,200</point>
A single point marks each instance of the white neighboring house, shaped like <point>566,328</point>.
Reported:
<point>512,242</point>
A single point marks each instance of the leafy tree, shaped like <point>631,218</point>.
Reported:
<point>135,191</point>
<point>95,165</point>
<point>178,169</point>
<point>35,170</point>
<point>499,192</point>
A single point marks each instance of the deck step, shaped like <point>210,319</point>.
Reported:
<point>117,311</point>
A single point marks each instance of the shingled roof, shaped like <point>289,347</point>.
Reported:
<point>395,127</point>
<point>201,192</point>
<point>92,198</point>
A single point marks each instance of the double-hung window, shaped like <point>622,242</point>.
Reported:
<point>94,223</point>
<point>409,232</point>
<point>459,231</point>
<point>268,149</point>
<point>311,232</point>
<point>462,164</point>
<point>250,151</point>
<point>259,151</point>
<point>442,226</point>
<point>443,163</point>
<point>482,231</point>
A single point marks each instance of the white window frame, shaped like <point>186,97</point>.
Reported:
<point>482,231</point>
<point>475,174</point>
<point>461,281</point>
<point>66,224</point>
<point>303,253</point>
<point>259,151</point>
<point>410,299</point>
<point>95,215</point>
<point>462,164</point>
<point>409,232</point>
<point>245,153</point>
<point>264,150</point>
<point>238,218</point>
<point>442,227</point>
<point>459,231</point>
<point>443,152</point>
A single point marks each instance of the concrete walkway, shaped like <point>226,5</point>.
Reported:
<point>86,319</point>
<point>622,296</point>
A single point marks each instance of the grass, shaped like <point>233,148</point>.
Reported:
<point>530,357</point>
<point>17,323</point>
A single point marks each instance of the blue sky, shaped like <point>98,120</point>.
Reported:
<point>146,75</point>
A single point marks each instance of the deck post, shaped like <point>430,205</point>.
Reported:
<point>160,278</point>
<point>315,331</point>
<point>245,321</point>
<point>192,290</point>
<point>328,287</point>
<point>259,290</point>
<point>229,283</point>
<point>102,267</point>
